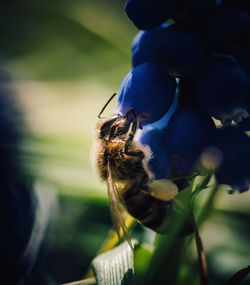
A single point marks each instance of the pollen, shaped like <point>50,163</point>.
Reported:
<point>163,189</point>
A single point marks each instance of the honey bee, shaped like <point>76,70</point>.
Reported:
<point>123,163</point>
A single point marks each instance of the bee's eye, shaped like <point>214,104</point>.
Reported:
<point>120,129</point>
<point>106,128</point>
<point>115,131</point>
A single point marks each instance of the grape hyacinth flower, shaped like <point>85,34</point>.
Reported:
<point>144,45</point>
<point>148,14</point>
<point>189,131</point>
<point>243,58</point>
<point>178,141</point>
<point>188,12</point>
<point>207,50</point>
<point>234,146</point>
<point>180,51</point>
<point>229,30</point>
<point>221,89</point>
<point>148,91</point>
<point>160,160</point>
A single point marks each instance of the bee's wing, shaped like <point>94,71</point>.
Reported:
<point>116,208</point>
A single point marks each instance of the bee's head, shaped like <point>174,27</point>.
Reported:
<point>109,128</point>
<point>113,127</point>
<point>116,127</point>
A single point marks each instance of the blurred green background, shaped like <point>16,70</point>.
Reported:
<point>65,59</point>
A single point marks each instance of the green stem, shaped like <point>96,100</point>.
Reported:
<point>201,255</point>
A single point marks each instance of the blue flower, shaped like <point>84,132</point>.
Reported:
<point>189,131</point>
<point>190,12</point>
<point>160,160</point>
<point>148,91</point>
<point>229,30</point>
<point>207,50</point>
<point>180,52</point>
<point>222,90</point>
<point>144,45</point>
<point>178,142</point>
<point>243,58</point>
<point>148,14</point>
<point>235,148</point>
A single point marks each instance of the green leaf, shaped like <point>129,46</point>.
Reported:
<point>207,205</point>
<point>142,259</point>
<point>202,184</point>
<point>166,260</point>
<point>171,249</point>
<point>115,267</point>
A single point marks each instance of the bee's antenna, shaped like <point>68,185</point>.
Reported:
<point>104,107</point>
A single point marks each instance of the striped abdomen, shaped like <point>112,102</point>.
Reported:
<point>150,211</point>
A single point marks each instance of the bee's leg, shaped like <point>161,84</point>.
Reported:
<point>131,133</point>
<point>132,128</point>
<point>137,153</point>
